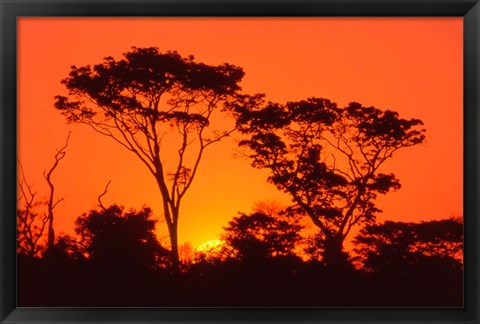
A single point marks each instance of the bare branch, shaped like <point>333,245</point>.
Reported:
<point>60,155</point>
<point>100,204</point>
<point>30,227</point>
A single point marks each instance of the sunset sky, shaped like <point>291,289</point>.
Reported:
<point>410,65</point>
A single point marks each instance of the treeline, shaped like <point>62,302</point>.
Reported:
<point>117,260</point>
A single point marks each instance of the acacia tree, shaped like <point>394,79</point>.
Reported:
<point>326,158</point>
<point>147,97</point>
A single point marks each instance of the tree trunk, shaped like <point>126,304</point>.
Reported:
<point>171,218</point>
<point>50,206</point>
<point>173,233</point>
<point>51,232</point>
<point>333,251</point>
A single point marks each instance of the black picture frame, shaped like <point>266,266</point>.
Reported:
<point>10,10</point>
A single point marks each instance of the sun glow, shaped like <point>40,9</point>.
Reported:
<point>209,246</point>
<point>212,251</point>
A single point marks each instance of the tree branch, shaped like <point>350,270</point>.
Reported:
<point>100,204</point>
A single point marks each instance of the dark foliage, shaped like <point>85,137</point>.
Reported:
<point>138,100</point>
<point>115,240</point>
<point>121,273</point>
<point>393,246</point>
<point>259,236</point>
<point>316,249</point>
<point>326,158</point>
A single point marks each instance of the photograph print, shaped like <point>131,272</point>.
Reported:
<point>240,162</point>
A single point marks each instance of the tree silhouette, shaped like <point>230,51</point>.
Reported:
<point>147,97</point>
<point>32,220</point>
<point>260,236</point>
<point>115,240</point>
<point>326,158</point>
<point>315,249</point>
<point>443,238</point>
<point>52,203</point>
<point>393,246</point>
<point>68,247</point>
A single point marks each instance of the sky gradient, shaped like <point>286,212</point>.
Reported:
<point>410,65</point>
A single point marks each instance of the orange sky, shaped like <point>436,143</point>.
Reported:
<point>411,65</point>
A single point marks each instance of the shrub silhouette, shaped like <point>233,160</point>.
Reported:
<point>261,236</point>
<point>393,246</point>
<point>115,240</point>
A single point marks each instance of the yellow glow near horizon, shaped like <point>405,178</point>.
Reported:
<point>210,245</point>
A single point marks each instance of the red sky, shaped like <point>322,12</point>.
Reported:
<point>411,65</point>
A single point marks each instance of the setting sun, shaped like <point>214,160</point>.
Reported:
<point>209,246</point>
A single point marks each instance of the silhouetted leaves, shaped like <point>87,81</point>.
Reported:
<point>261,269</point>
<point>393,246</point>
<point>259,236</point>
<point>118,240</point>
<point>326,158</point>
<point>136,84</point>
<point>138,100</point>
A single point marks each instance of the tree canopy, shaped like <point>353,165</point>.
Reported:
<point>397,245</point>
<point>118,239</point>
<point>326,158</point>
<point>261,236</point>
